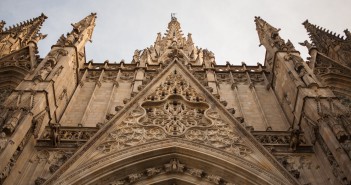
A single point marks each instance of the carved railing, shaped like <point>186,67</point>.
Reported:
<point>66,137</point>
<point>280,141</point>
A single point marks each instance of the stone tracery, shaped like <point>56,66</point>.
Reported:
<point>175,109</point>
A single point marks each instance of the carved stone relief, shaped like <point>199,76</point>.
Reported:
<point>294,163</point>
<point>337,171</point>
<point>45,70</point>
<point>3,141</point>
<point>67,137</point>
<point>257,79</point>
<point>175,85</point>
<point>55,55</point>
<point>240,78</point>
<point>201,76</point>
<point>109,76</point>
<point>54,158</point>
<point>223,78</point>
<point>148,77</point>
<point>4,93</point>
<point>6,171</point>
<point>172,167</point>
<point>175,110</point>
<point>127,76</point>
<point>92,76</point>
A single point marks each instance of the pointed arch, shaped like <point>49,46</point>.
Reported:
<point>171,160</point>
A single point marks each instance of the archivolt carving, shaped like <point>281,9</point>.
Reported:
<point>174,166</point>
<point>175,110</point>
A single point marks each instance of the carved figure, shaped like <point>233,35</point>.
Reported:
<point>294,139</point>
<point>174,166</point>
<point>306,77</point>
<point>44,72</point>
<point>55,134</point>
<point>3,141</point>
<point>11,123</point>
<point>307,44</point>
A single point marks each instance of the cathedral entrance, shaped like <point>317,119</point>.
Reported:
<point>171,161</point>
<point>173,133</point>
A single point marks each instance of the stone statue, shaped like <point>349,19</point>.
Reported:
<point>11,124</point>
<point>3,141</point>
<point>333,49</point>
<point>55,134</point>
<point>136,53</point>
<point>43,73</point>
<point>294,139</point>
<point>307,44</point>
<point>306,77</point>
<point>39,37</point>
<point>174,166</point>
<point>2,24</point>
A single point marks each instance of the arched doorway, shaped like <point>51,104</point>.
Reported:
<point>171,161</point>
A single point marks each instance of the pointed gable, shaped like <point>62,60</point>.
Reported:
<point>173,108</point>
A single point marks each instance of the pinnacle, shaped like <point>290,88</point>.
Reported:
<point>315,31</point>
<point>84,23</point>
<point>260,24</point>
<point>40,19</point>
<point>74,36</point>
<point>174,29</point>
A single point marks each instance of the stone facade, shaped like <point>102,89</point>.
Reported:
<point>172,115</point>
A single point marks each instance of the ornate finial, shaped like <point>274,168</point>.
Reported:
<point>43,16</point>
<point>173,16</point>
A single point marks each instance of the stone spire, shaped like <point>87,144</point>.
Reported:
<point>172,44</point>
<point>19,35</point>
<point>173,36</point>
<point>321,37</point>
<point>174,30</point>
<point>80,29</point>
<point>269,37</point>
<point>329,43</point>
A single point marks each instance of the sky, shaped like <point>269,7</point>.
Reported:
<point>225,27</point>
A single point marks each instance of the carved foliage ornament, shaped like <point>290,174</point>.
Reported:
<point>174,166</point>
<point>175,115</point>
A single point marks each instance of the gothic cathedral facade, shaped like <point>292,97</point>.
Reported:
<point>172,115</point>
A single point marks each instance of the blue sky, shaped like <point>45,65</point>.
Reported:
<point>225,27</point>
